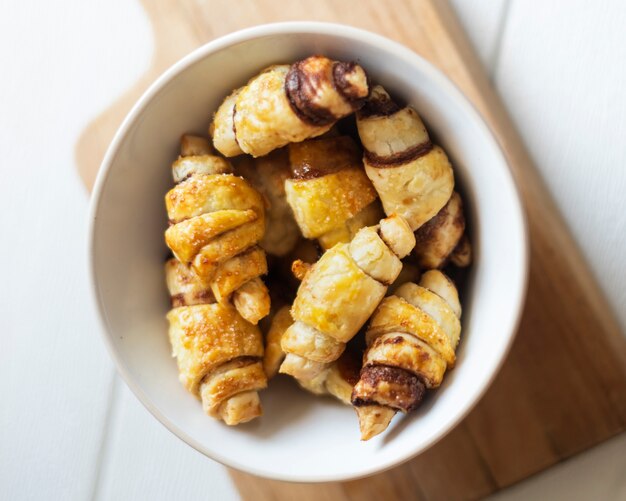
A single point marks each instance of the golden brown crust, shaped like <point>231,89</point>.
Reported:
<point>415,190</point>
<point>222,128</point>
<point>191,145</point>
<point>405,351</point>
<point>216,220</point>
<point>187,166</point>
<point>391,135</point>
<point>439,283</point>
<point>321,90</point>
<point>186,288</point>
<point>462,254</point>
<point>264,119</point>
<point>321,156</point>
<point>336,296</point>
<point>310,343</point>
<point>226,246</point>
<point>287,104</point>
<point>338,379</point>
<point>436,308</point>
<point>229,379</point>
<point>328,188</point>
<point>187,238</point>
<point>369,216</point>
<point>410,342</point>
<point>388,386</point>
<point>413,178</point>
<point>274,354</point>
<point>268,175</point>
<point>299,269</point>
<point>396,233</point>
<point>206,194</point>
<point>232,274</point>
<point>252,300</point>
<point>372,255</point>
<point>395,314</point>
<point>438,237</point>
<point>205,336</point>
<point>373,419</point>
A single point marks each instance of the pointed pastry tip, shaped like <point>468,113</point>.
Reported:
<point>373,420</point>
<point>241,408</point>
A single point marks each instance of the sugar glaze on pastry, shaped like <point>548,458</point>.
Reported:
<point>219,354</point>
<point>340,292</point>
<point>287,104</point>
<point>411,341</point>
<point>217,220</point>
<point>328,191</point>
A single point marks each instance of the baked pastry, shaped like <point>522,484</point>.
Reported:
<point>268,175</point>
<point>338,379</point>
<point>217,351</point>
<point>287,104</point>
<point>328,191</point>
<point>340,292</point>
<point>442,239</point>
<point>413,178</point>
<point>186,288</point>
<point>274,354</point>
<point>216,222</point>
<point>411,341</point>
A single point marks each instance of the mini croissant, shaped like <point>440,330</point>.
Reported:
<point>414,179</point>
<point>218,352</point>
<point>337,380</point>
<point>287,104</point>
<point>411,341</point>
<point>329,193</point>
<point>268,175</point>
<point>217,220</point>
<point>340,292</point>
<point>442,239</point>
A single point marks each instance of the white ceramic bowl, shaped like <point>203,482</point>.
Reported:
<point>299,437</point>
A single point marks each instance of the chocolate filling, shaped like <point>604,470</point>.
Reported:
<point>399,158</point>
<point>341,70</point>
<point>381,106</point>
<point>426,233</point>
<point>306,171</point>
<point>300,85</point>
<point>202,297</point>
<point>403,391</point>
<point>349,365</point>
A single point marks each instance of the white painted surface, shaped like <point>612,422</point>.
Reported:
<point>66,430</point>
<point>561,72</point>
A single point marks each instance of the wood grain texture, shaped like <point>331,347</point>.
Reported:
<point>542,407</point>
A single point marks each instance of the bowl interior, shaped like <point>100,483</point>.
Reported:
<point>300,437</point>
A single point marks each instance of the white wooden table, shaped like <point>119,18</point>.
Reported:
<point>69,428</point>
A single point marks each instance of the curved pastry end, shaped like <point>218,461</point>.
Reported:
<point>373,420</point>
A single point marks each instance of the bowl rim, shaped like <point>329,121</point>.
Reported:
<point>325,29</point>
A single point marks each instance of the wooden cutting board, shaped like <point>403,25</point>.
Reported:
<point>563,386</point>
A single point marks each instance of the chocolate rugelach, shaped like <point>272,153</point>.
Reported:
<point>288,104</point>
<point>411,341</point>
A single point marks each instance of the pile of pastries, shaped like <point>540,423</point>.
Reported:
<point>308,236</point>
